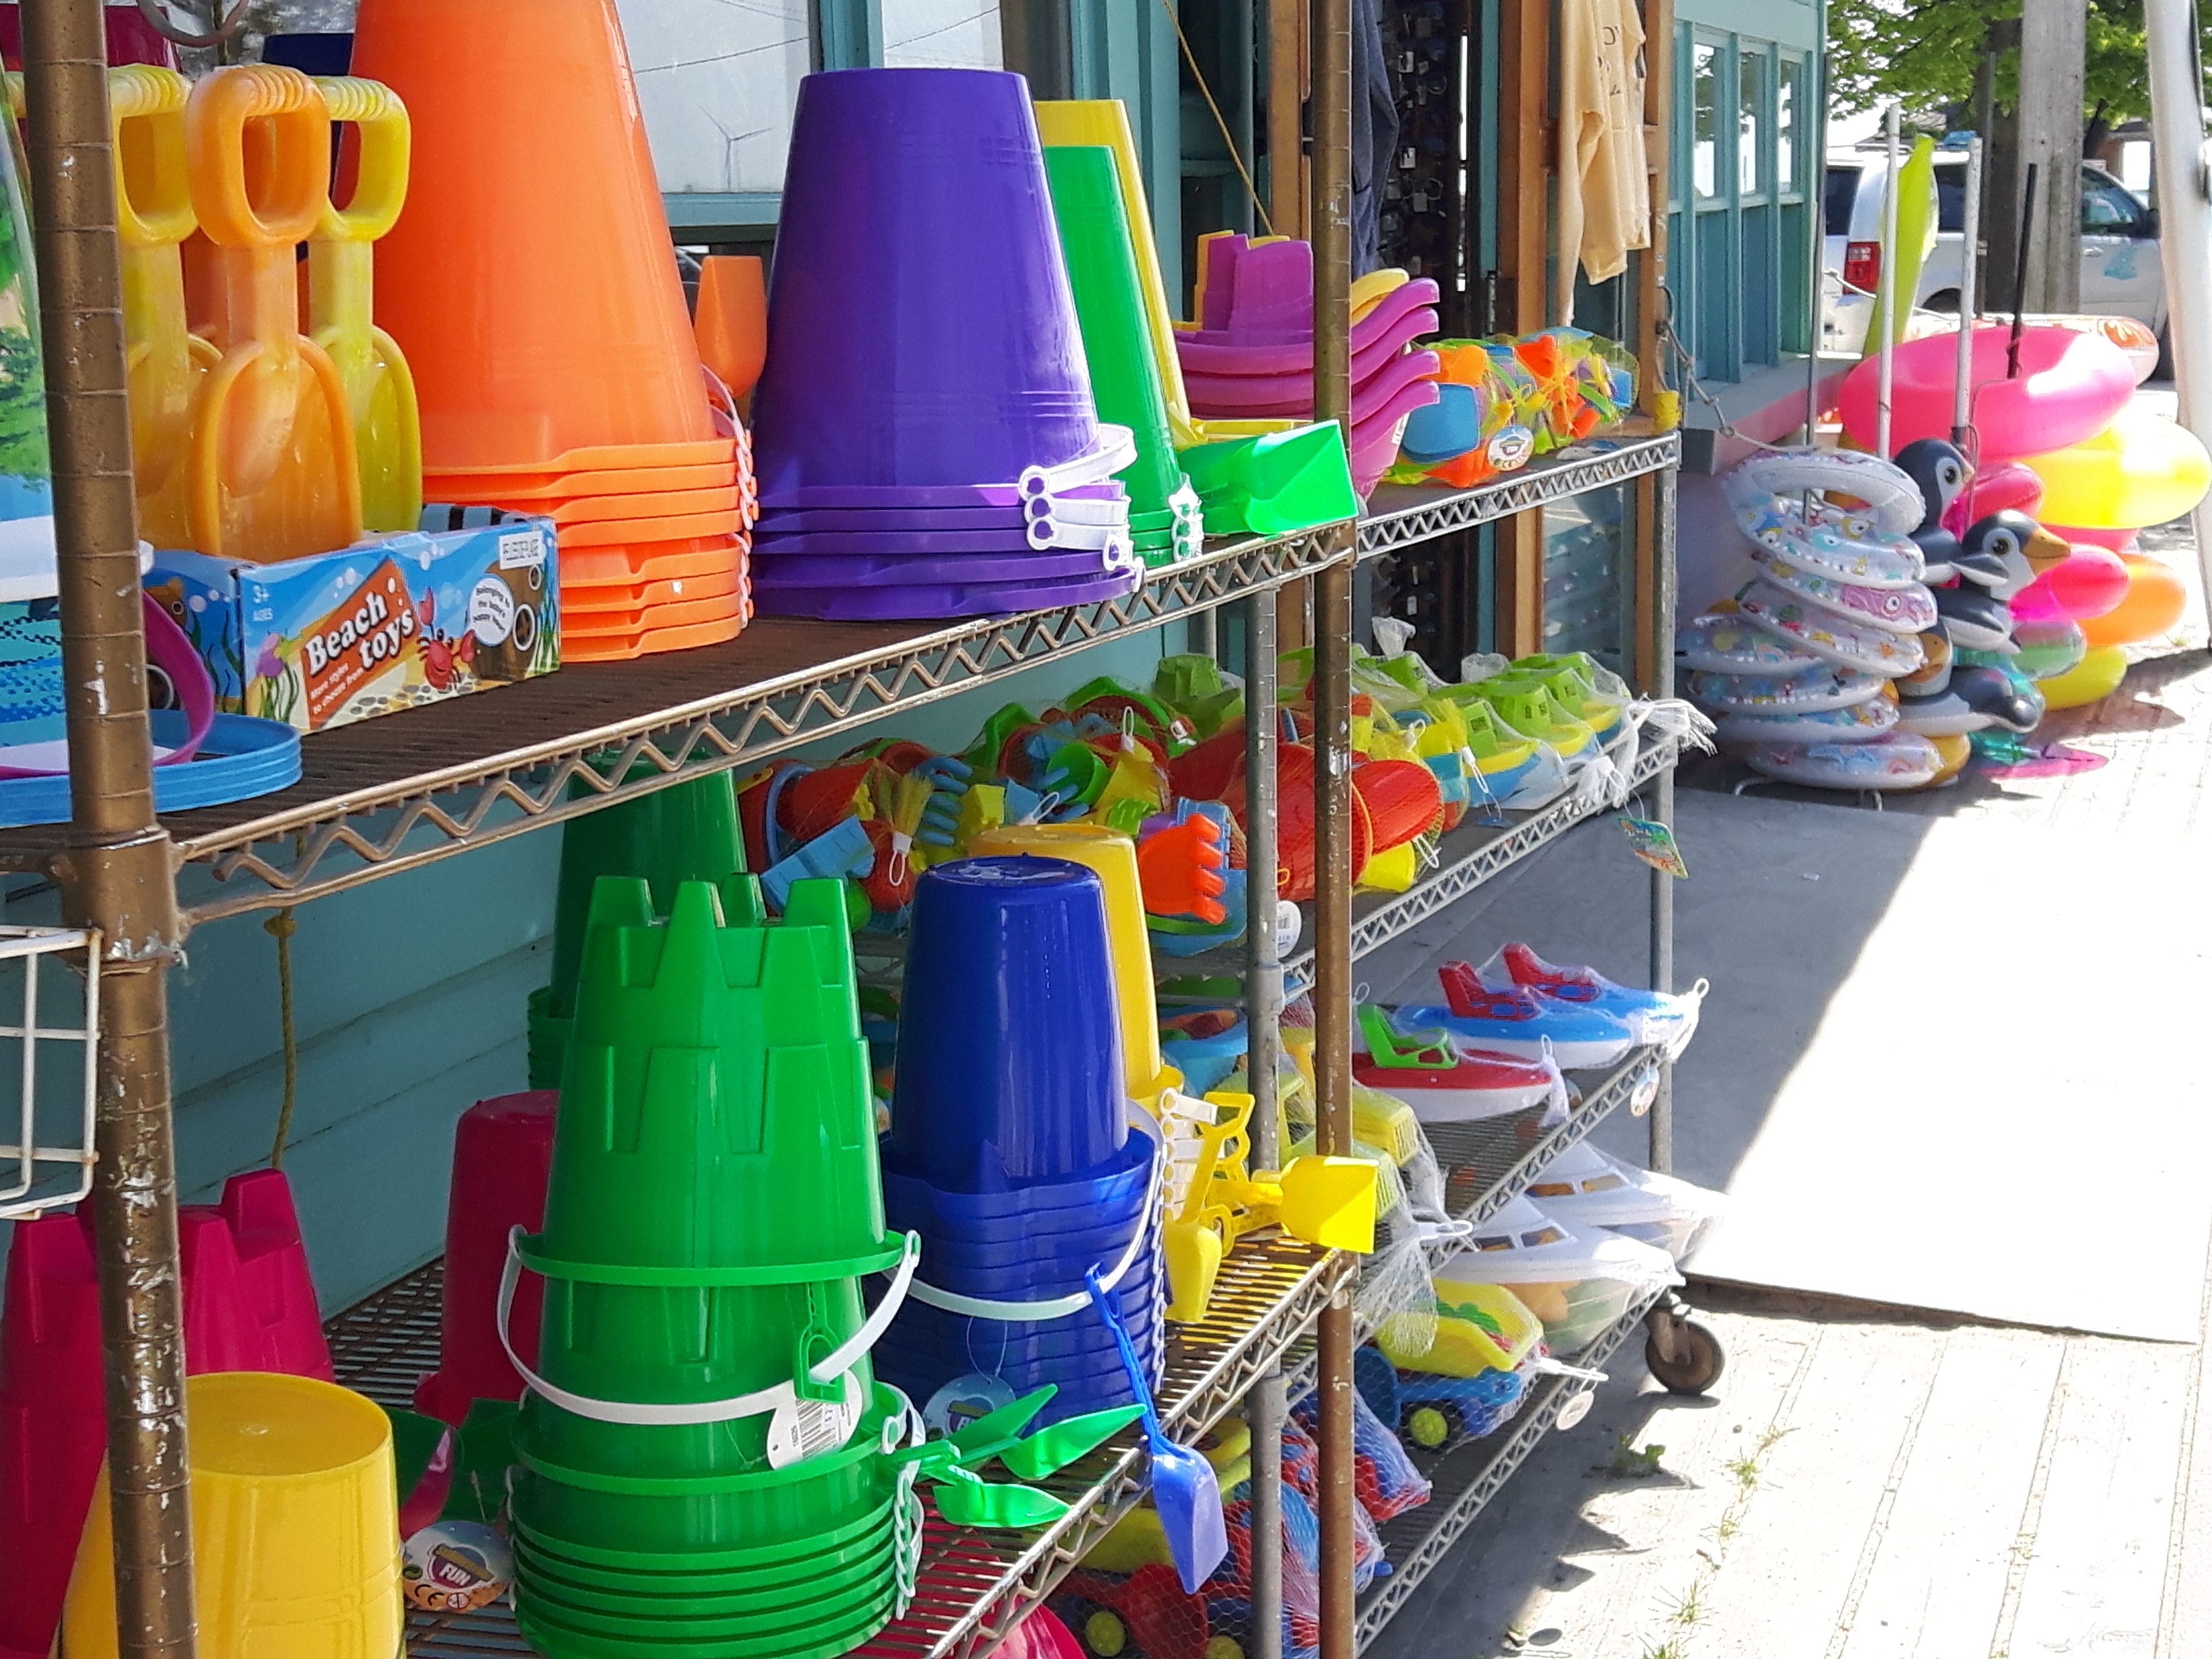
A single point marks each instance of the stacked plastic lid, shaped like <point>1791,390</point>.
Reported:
<point>1010,1150</point>
<point>1251,356</point>
<point>703,1453</point>
<point>531,283</point>
<point>927,442</point>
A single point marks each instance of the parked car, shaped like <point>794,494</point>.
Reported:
<point>2120,271</point>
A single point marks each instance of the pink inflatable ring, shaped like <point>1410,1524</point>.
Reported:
<point>2070,385</point>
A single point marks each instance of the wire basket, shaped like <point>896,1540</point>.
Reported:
<point>49,1161</point>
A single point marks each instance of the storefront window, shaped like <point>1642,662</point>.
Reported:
<point>941,34</point>
<point>1705,144</point>
<point>1750,122</point>
<point>1789,71</point>
<point>697,68</point>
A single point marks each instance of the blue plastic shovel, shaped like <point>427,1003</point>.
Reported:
<point>1185,1490</point>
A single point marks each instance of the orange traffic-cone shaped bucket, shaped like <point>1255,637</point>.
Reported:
<point>731,319</point>
<point>530,281</point>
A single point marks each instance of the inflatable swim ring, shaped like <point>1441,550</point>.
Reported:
<point>2097,676</point>
<point>1902,760</point>
<point>1894,610</point>
<point>1860,723</point>
<point>1820,687</point>
<point>2138,471</point>
<point>2070,385</point>
<point>2047,649</point>
<point>1952,754</point>
<point>1849,547</point>
<point>1995,487</point>
<point>1722,642</point>
<point>1934,671</point>
<point>1826,635</point>
<point>2087,582</point>
<point>1891,498</point>
<point>2155,599</point>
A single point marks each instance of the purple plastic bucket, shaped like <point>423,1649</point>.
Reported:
<point>863,498</point>
<point>837,570</point>
<point>920,328</point>
<point>909,604</point>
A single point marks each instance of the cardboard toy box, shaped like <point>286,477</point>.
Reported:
<point>386,624</point>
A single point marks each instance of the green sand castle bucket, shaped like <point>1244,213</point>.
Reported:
<point>714,1202</point>
<point>1125,375</point>
<point>686,832</point>
<point>702,1592</point>
<point>717,1618</point>
<point>809,1642</point>
<point>839,1547</point>
<point>1274,484</point>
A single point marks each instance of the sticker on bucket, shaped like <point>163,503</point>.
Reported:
<point>456,1567</point>
<point>800,1429</point>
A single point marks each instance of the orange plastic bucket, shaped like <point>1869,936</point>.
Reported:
<point>598,647</point>
<point>530,281</point>
<point>624,532</point>
<point>644,561</point>
<point>479,488</point>
<point>731,319</point>
<point>583,600</point>
<point>684,614</point>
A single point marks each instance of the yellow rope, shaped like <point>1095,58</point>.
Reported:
<point>1220,120</point>
<point>281,927</point>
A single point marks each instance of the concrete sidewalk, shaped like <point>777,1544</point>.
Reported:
<point>1873,1482</point>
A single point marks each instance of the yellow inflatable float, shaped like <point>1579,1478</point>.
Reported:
<point>2139,470</point>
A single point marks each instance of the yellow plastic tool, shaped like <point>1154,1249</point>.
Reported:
<point>387,423</point>
<point>164,361</point>
<point>272,469</point>
<point>1114,857</point>
<point>1328,1201</point>
<point>1394,870</point>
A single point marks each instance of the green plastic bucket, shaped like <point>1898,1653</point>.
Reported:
<point>1110,307</point>
<point>837,1549</point>
<point>557,1640</point>
<point>744,1588</point>
<point>688,1515</point>
<point>714,1617</point>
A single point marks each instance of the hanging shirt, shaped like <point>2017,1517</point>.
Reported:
<point>1604,196</point>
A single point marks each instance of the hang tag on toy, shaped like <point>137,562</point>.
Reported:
<point>1654,842</point>
<point>801,1428</point>
<point>1574,1408</point>
<point>1289,923</point>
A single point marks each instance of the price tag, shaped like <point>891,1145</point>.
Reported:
<point>1654,842</point>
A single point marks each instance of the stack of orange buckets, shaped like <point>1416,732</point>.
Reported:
<point>533,286</point>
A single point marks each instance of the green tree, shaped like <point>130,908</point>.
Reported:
<point>1925,56</point>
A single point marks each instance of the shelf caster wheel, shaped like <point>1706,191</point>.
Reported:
<point>1684,1353</point>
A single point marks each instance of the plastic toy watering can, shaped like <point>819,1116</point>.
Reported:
<point>1328,1201</point>
<point>379,388</point>
<point>272,466</point>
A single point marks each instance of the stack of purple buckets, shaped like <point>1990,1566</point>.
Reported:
<point>1251,356</point>
<point>926,440</point>
<point>1012,1149</point>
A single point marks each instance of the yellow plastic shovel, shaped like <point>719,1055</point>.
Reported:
<point>164,360</point>
<point>1328,1201</point>
<point>271,471</point>
<point>387,423</point>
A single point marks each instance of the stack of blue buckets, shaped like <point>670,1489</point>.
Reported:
<point>1013,1150</point>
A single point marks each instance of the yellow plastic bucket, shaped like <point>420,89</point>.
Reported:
<point>1113,856</point>
<point>295,1526</point>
